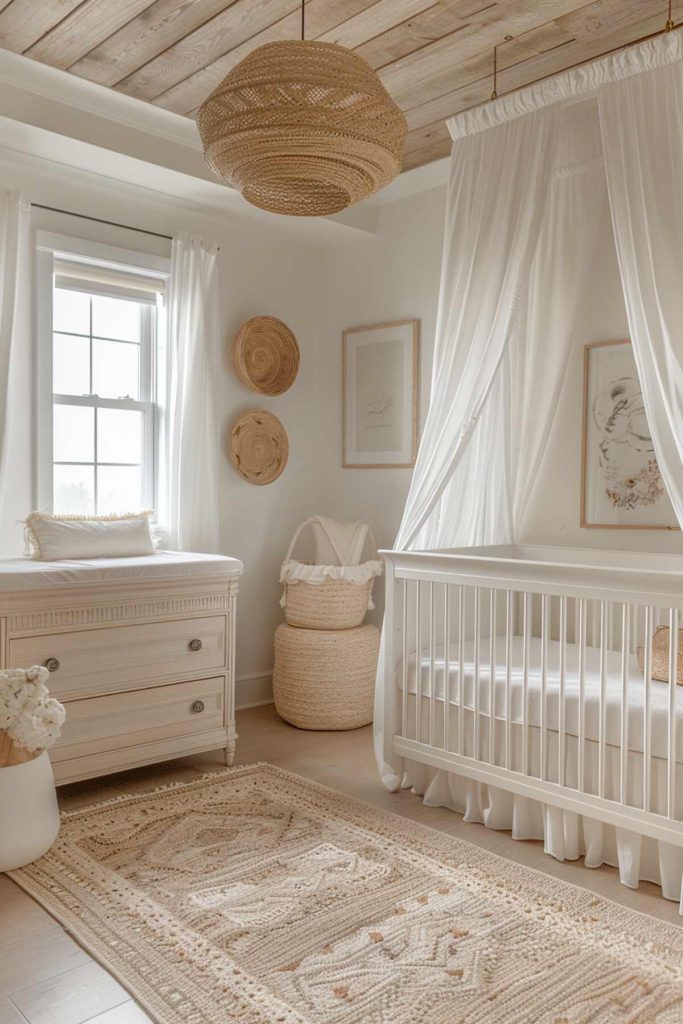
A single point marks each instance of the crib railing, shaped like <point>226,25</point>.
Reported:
<point>542,677</point>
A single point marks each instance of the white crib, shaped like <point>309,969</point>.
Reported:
<point>530,669</point>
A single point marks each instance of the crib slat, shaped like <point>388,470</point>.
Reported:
<point>418,663</point>
<point>477,628</point>
<point>404,667</point>
<point>647,674</point>
<point>582,687</point>
<point>461,669</point>
<point>492,670</point>
<point>545,600</point>
<point>625,657</point>
<point>432,699</point>
<point>563,674</point>
<point>611,625</point>
<point>446,667</point>
<point>508,674</point>
<point>526,627</point>
<point>601,710</point>
<point>671,747</point>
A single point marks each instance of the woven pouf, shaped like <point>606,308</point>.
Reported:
<point>325,679</point>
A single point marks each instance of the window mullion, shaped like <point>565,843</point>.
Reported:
<point>145,405</point>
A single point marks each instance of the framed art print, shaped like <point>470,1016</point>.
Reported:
<point>379,395</point>
<point>621,485</point>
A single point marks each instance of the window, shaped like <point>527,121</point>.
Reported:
<point>101,366</point>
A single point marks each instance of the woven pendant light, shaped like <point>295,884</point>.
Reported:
<point>302,127</point>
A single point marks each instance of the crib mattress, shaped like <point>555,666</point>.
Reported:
<point>613,689</point>
<point>17,574</point>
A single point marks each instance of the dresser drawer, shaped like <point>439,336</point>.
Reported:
<point>120,720</point>
<point>88,662</point>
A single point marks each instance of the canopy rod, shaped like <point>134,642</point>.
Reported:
<point>670,26</point>
<point>99,220</point>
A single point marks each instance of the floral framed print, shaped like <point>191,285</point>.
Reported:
<point>621,485</point>
<point>379,395</point>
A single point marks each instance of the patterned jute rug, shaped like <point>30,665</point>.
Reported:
<point>254,896</point>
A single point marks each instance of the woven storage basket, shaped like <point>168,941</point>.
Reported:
<point>659,668</point>
<point>325,679</point>
<point>332,604</point>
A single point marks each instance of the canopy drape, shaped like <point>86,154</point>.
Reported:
<point>641,122</point>
<point>496,198</point>
<point>530,177</point>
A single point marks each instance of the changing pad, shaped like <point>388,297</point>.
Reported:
<point>27,574</point>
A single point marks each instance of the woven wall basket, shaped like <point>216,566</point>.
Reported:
<point>303,128</point>
<point>258,447</point>
<point>325,679</point>
<point>265,355</point>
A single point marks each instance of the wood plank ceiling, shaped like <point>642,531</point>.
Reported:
<point>434,56</point>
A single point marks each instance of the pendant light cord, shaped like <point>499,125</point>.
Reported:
<point>670,23</point>
<point>303,20</point>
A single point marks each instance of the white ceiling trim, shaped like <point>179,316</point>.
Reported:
<point>56,116</point>
<point>60,86</point>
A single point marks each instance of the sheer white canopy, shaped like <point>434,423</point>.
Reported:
<point>530,176</point>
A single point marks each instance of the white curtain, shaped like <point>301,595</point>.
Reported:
<point>642,130</point>
<point>530,177</point>
<point>194,333</point>
<point>546,329</point>
<point>497,191</point>
<point>15,370</point>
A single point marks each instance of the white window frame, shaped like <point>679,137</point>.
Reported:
<point>50,246</point>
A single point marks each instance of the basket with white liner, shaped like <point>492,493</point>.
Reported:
<point>335,592</point>
<point>325,658</point>
<point>30,722</point>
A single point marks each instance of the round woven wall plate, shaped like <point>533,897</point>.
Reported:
<point>258,447</point>
<point>265,355</point>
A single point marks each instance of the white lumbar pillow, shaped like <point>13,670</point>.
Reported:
<point>55,537</point>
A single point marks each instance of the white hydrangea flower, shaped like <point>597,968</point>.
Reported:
<point>28,714</point>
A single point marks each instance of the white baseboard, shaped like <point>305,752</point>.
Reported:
<point>253,690</point>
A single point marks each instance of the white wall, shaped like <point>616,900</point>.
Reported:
<point>391,276</point>
<point>264,268</point>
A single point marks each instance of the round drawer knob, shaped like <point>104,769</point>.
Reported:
<point>52,664</point>
<point>195,645</point>
<point>198,707</point>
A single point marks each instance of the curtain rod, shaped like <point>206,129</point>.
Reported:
<point>99,220</point>
<point>670,27</point>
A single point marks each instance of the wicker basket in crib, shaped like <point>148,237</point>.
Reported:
<point>659,667</point>
<point>331,603</point>
<point>325,679</point>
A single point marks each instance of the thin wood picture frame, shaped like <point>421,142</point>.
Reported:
<point>380,395</point>
<point>585,520</point>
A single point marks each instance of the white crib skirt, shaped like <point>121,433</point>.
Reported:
<point>566,835</point>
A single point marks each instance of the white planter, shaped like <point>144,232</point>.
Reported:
<point>29,816</point>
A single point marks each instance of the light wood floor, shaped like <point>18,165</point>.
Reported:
<point>46,978</point>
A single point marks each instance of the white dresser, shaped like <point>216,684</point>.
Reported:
<point>140,650</point>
